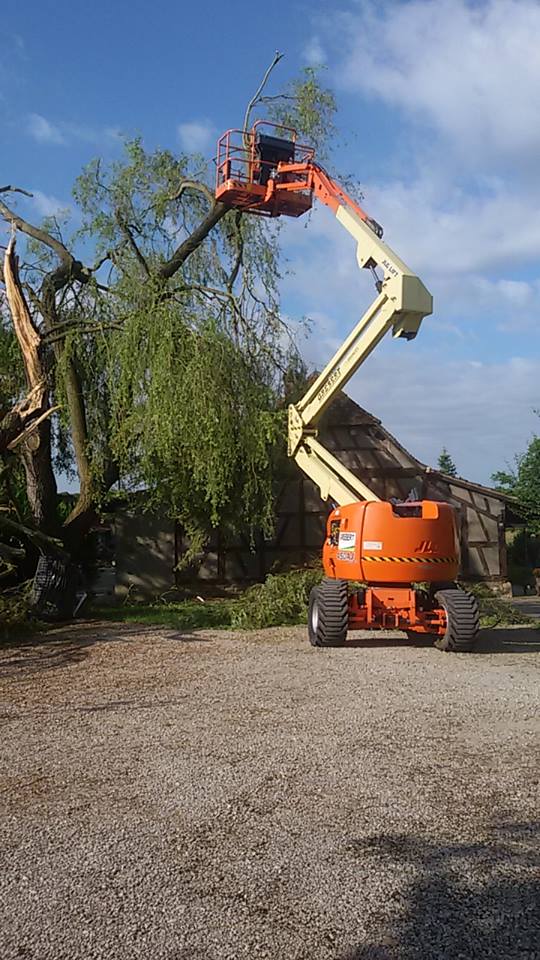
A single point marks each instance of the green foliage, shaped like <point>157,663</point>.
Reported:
<point>494,610</point>
<point>184,385</point>
<point>308,107</point>
<point>281,599</point>
<point>446,464</point>
<point>12,379</point>
<point>179,359</point>
<point>15,612</point>
<point>184,615</point>
<point>522,481</point>
<point>193,419</point>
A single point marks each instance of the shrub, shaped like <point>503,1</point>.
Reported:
<point>14,610</point>
<point>281,599</point>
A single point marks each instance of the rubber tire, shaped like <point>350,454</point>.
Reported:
<point>328,613</point>
<point>463,620</point>
<point>428,638</point>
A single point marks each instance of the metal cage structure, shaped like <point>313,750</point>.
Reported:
<point>247,164</point>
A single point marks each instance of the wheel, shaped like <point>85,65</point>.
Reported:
<point>463,620</point>
<point>328,614</point>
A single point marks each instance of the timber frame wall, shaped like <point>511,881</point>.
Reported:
<point>361,442</point>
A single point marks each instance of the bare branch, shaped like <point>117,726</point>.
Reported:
<point>279,96</point>
<point>191,243</point>
<point>41,235</point>
<point>60,333</point>
<point>11,553</point>
<point>11,189</point>
<point>131,242</point>
<point>69,269</point>
<point>99,263</point>
<point>31,428</point>
<point>231,280</point>
<point>277,57</point>
<point>41,540</point>
<point>211,292</point>
<point>194,185</point>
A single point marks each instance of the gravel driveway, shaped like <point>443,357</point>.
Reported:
<point>224,795</point>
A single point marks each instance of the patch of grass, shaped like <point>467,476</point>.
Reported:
<point>183,615</point>
<point>281,599</point>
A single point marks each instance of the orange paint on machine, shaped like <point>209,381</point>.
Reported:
<point>381,542</point>
<point>388,564</point>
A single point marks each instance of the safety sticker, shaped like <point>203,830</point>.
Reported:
<point>345,555</point>
<point>372,545</point>
<point>416,560</point>
<point>347,541</point>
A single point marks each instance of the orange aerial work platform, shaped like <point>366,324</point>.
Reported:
<point>388,564</point>
<point>246,162</point>
<point>260,172</point>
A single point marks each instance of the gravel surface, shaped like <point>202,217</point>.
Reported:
<point>223,795</point>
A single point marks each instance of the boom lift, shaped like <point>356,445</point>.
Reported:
<point>405,554</point>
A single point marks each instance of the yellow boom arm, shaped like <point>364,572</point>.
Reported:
<point>402,303</point>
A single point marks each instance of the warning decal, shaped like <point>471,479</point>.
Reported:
<point>417,560</point>
<point>347,541</point>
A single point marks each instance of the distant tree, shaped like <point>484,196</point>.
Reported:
<point>446,464</point>
<point>522,481</point>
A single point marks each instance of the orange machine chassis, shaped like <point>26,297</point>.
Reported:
<point>390,547</point>
<point>395,608</point>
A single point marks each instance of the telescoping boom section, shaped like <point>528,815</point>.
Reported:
<point>390,547</point>
<point>262,173</point>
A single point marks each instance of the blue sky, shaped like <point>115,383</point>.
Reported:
<point>439,121</point>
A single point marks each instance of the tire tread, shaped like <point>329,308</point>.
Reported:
<point>463,620</point>
<point>333,608</point>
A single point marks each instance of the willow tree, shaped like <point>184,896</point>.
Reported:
<point>164,348</point>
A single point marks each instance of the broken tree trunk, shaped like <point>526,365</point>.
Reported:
<point>33,439</point>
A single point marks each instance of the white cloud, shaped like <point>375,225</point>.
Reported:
<point>65,132</point>
<point>43,130</point>
<point>314,52</point>
<point>47,205</point>
<point>89,133</point>
<point>196,136</point>
<point>469,70</point>
<point>483,412</point>
<point>451,231</point>
<point>469,229</point>
<point>469,73</point>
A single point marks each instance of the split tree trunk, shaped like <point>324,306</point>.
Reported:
<point>34,447</point>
